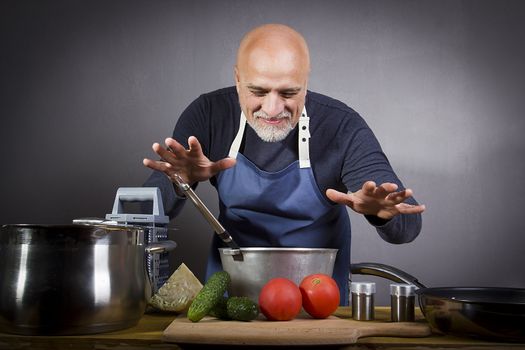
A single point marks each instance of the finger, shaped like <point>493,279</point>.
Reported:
<point>155,165</point>
<point>176,148</point>
<point>223,164</point>
<point>157,148</point>
<point>388,187</point>
<point>397,197</point>
<point>165,155</point>
<point>382,191</point>
<point>385,190</point>
<point>148,162</point>
<point>195,146</point>
<point>369,188</point>
<point>339,197</point>
<point>400,196</point>
<point>404,208</point>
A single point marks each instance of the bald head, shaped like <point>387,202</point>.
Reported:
<point>271,76</point>
<point>275,44</point>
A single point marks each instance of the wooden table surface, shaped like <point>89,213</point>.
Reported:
<point>147,335</point>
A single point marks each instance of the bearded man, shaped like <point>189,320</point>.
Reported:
<point>286,161</point>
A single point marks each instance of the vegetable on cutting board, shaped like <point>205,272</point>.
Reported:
<point>211,301</point>
<point>320,295</point>
<point>242,309</point>
<point>280,299</point>
<point>178,292</point>
<point>209,296</point>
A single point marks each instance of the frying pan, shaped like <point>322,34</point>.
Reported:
<point>480,312</point>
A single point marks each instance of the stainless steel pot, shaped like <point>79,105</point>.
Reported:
<point>73,279</point>
<point>260,264</point>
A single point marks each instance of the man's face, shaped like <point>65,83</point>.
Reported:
<point>272,93</point>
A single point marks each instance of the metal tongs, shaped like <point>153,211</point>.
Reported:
<point>217,227</point>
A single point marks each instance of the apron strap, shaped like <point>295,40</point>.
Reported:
<point>236,144</point>
<point>303,139</point>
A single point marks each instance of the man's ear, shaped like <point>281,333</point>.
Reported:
<point>236,77</point>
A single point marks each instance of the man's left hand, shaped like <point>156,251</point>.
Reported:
<point>382,201</point>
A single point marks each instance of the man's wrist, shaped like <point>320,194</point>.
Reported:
<point>178,192</point>
<point>376,220</point>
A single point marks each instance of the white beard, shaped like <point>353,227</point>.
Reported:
<point>268,132</point>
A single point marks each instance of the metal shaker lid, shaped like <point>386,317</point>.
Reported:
<point>363,287</point>
<point>402,289</point>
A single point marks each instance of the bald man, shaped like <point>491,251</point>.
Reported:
<point>286,161</point>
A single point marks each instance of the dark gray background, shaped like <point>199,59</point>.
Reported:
<point>88,86</point>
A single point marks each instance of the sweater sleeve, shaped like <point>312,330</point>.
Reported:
<point>364,160</point>
<point>190,123</point>
<point>173,203</point>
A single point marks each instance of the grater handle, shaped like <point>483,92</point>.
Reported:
<point>138,194</point>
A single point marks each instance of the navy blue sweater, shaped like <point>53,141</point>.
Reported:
<point>344,153</point>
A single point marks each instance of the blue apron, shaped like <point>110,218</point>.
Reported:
<point>280,209</point>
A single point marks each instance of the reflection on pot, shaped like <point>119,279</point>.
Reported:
<point>72,279</point>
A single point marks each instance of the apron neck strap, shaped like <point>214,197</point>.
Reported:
<point>236,144</point>
<point>303,139</point>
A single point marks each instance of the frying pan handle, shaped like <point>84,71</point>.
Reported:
<point>385,271</point>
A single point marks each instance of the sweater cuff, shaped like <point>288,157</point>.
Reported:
<point>377,221</point>
<point>179,194</point>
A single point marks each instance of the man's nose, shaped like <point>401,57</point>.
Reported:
<point>273,104</point>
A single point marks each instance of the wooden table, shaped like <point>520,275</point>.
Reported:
<point>147,335</point>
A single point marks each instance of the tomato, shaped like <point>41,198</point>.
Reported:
<point>280,299</point>
<point>320,295</point>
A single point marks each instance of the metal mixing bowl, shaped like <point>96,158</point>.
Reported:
<point>259,265</point>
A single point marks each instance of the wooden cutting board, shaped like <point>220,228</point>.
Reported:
<point>300,331</point>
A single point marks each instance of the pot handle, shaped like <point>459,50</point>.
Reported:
<point>385,271</point>
<point>160,247</point>
<point>94,221</point>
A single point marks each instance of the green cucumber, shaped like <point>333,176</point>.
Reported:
<point>209,296</point>
<point>241,309</point>
<point>219,310</point>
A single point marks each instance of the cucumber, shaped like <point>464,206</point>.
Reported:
<point>209,296</point>
<point>241,309</point>
<point>219,310</point>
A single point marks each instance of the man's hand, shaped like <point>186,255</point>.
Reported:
<point>192,165</point>
<point>382,201</point>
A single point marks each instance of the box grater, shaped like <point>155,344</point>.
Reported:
<point>156,226</point>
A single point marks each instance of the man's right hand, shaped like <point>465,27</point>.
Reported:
<point>192,165</point>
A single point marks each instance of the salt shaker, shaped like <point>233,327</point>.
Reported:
<point>363,300</point>
<point>402,300</point>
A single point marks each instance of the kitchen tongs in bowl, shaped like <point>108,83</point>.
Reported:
<point>217,227</point>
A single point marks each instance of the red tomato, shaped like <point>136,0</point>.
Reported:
<point>280,299</point>
<point>320,295</point>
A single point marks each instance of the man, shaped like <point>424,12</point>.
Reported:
<point>284,179</point>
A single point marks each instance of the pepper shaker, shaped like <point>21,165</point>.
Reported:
<point>363,300</point>
<point>402,301</point>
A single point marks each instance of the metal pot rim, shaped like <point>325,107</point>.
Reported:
<point>279,250</point>
<point>76,225</point>
<point>71,234</point>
